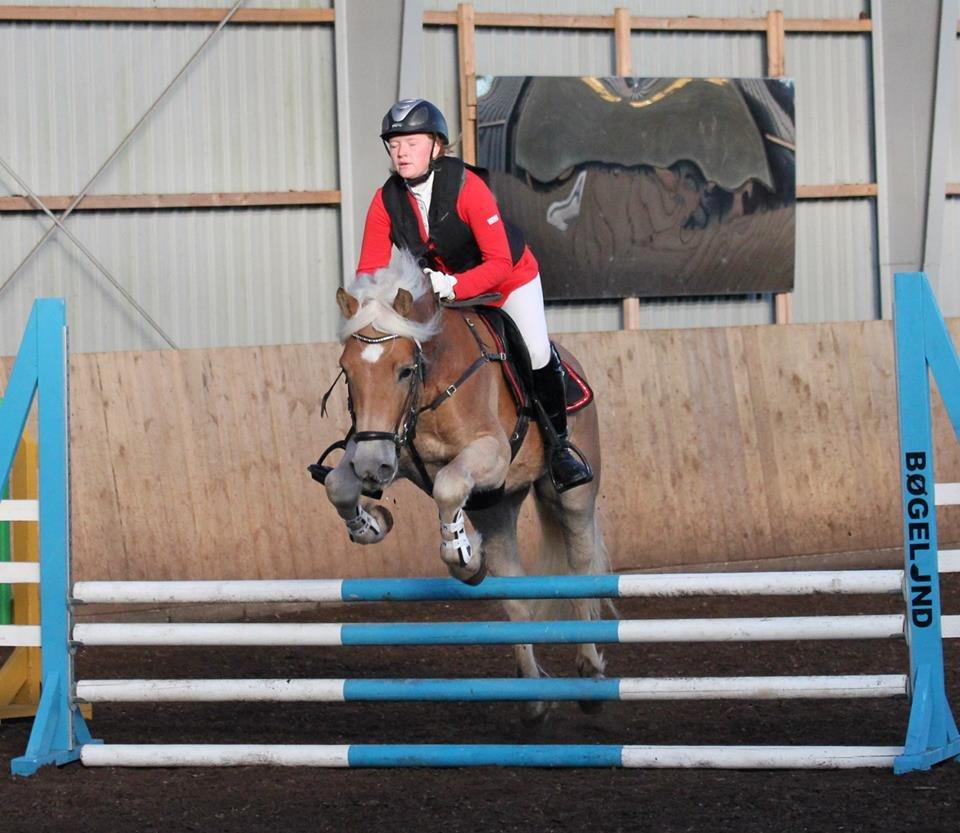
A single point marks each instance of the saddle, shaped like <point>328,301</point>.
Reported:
<point>516,368</point>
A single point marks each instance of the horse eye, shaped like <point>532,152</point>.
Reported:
<point>406,373</point>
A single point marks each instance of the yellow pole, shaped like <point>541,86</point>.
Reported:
<point>20,674</point>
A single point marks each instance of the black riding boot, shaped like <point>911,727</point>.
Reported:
<point>567,466</point>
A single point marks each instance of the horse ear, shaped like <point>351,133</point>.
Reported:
<point>403,303</point>
<point>347,303</point>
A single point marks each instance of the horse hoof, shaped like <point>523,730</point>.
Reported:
<point>383,515</point>
<point>473,579</point>
<point>590,672</point>
<point>535,714</point>
<point>370,525</point>
<point>590,706</point>
<point>477,577</point>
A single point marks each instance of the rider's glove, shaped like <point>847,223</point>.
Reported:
<point>442,283</point>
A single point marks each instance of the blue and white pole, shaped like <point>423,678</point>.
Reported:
<point>464,755</point>
<point>672,585</point>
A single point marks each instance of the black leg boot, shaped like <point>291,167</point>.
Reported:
<point>568,468</point>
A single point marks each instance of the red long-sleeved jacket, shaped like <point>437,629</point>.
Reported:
<point>477,207</point>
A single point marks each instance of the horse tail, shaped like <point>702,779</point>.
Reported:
<point>554,559</point>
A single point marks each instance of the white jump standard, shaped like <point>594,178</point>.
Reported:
<point>60,733</point>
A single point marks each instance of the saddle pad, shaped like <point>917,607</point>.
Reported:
<point>579,393</point>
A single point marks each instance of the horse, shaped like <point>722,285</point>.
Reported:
<point>430,406</point>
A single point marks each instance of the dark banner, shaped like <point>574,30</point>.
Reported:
<point>649,187</point>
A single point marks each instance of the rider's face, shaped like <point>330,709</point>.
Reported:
<point>411,154</point>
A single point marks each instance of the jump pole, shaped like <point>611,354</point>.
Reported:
<point>661,585</point>
<point>882,626</point>
<point>527,755</point>
<point>673,585</point>
<point>485,689</point>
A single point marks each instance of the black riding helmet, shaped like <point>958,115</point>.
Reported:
<point>414,115</point>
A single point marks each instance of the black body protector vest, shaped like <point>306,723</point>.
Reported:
<point>450,238</point>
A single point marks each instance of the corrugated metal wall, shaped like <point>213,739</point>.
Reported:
<point>256,112</point>
<point>948,287</point>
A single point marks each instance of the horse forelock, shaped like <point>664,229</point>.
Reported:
<point>376,293</point>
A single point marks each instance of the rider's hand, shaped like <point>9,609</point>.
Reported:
<point>442,283</point>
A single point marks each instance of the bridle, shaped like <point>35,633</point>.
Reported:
<point>405,431</point>
<point>407,421</point>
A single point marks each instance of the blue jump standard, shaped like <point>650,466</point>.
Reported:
<point>446,589</point>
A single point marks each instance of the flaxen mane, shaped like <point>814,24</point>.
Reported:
<point>376,293</point>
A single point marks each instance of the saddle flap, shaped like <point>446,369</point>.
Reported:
<point>517,368</point>
<point>508,341</point>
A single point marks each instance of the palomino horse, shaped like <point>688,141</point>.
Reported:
<point>416,416</point>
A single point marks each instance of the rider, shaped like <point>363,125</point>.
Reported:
<point>437,208</point>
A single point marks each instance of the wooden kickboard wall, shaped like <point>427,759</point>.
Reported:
<point>721,444</point>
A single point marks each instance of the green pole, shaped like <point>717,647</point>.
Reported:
<point>5,601</point>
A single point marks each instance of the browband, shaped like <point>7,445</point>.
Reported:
<point>378,340</point>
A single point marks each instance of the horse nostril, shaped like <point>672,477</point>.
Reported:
<point>375,463</point>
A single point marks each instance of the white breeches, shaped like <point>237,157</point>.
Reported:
<point>525,307</point>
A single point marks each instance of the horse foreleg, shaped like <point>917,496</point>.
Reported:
<point>366,523</point>
<point>481,465</point>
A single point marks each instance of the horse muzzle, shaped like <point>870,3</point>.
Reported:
<point>375,463</point>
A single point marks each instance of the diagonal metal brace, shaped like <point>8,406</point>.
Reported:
<point>123,143</point>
